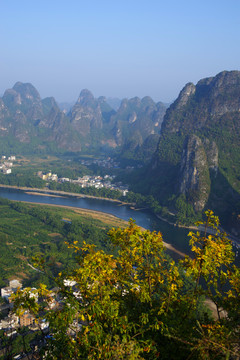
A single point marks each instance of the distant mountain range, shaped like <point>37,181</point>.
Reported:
<point>114,103</point>
<point>192,148</point>
<point>28,123</point>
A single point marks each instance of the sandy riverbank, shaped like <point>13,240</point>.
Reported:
<point>43,194</point>
<point>98,214</point>
<point>59,193</point>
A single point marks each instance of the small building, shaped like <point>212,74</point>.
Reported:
<point>54,177</point>
<point>44,176</point>
<point>6,292</point>
<point>7,171</point>
<point>43,324</point>
<point>8,164</point>
<point>9,322</point>
<point>26,319</point>
<point>65,180</point>
<point>15,284</point>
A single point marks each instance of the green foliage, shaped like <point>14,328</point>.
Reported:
<point>140,305</point>
<point>27,230</point>
<point>138,151</point>
<point>170,148</point>
<point>19,344</point>
<point>185,212</point>
<point>10,145</point>
<point>24,179</point>
<point>211,113</point>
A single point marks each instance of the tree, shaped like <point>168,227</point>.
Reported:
<point>213,264</point>
<point>140,304</point>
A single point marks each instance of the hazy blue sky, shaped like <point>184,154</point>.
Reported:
<point>116,48</point>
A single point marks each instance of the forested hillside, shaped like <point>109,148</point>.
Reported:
<point>197,161</point>
<point>28,230</point>
<point>139,304</point>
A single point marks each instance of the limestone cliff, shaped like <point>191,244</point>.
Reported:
<point>194,179</point>
<point>90,124</point>
<point>86,113</point>
<point>135,121</point>
<point>198,153</point>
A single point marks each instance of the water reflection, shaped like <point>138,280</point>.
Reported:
<point>173,235</point>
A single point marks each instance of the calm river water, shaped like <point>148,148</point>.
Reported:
<point>173,235</point>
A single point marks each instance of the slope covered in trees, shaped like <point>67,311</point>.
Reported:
<point>139,304</point>
<point>27,230</point>
<point>198,154</point>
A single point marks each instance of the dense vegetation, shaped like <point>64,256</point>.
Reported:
<point>139,305</point>
<point>22,179</point>
<point>208,112</point>
<point>27,230</point>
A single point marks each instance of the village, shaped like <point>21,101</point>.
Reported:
<point>88,181</point>
<point>98,182</point>
<point>11,324</point>
<point>6,163</point>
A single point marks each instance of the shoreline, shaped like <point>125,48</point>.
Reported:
<point>55,193</point>
<point>60,193</point>
<point>209,231</point>
<point>88,211</point>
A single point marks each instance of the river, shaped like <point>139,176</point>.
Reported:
<point>175,236</point>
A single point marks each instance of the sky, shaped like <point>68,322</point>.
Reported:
<point>116,48</point>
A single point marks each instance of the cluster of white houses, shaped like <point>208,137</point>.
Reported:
<point>88,181</point>
<point>6,164</point>
<point>12,322</point>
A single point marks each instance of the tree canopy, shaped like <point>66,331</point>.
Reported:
<point>140,304</point>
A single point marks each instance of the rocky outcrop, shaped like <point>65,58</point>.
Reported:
<point>135,120</point>
<point>12,97</point>
<point>4,113</point>
<point>26,98</point>
<point>27,92</point>
<point>198,152</point>
<point>86,113</point>
<point>90,123</point>
<point>204,104</point>
<point>194,173</point>
<point>184,96</point>
<point>132,118</point>
<point>25,113</point>
<point>212,154</point>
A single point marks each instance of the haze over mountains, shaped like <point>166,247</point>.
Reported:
<point>91,124</point>
<point>193,148</point>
